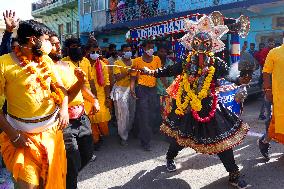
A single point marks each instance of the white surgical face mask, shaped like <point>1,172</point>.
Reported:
<point>127,54</point>
<point>46,47</point>
<point>94,56</point>
<point>150,52</point>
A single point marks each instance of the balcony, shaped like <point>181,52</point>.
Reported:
<point>125,13</point>
<point>46,8</point>
<point>145,12</point>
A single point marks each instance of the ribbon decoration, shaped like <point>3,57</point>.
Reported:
<point>236,49</point>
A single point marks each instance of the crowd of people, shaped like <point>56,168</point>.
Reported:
<point>58,102</point>
<point>72,89</point>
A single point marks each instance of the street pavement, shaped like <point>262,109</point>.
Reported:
<point>130,167</point>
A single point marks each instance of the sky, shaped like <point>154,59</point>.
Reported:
<point>22,7</point>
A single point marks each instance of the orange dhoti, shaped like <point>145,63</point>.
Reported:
<point>99,120</point>
<point>44,161</point>
<point>272,134</point>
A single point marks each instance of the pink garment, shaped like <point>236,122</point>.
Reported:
<point>260,56</point>
<point>76,111</point>
<point>100,73</point>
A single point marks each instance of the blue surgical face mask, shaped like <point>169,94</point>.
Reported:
<point>150,52</point>
<point>94,56</point>
<point>127,55</point>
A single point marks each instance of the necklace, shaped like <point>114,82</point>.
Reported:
<point>188,91</point>
<point>43,73</point>
<point>212,111</point>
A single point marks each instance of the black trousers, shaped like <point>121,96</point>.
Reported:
<point>226,157</point>
<point>79,148</point>
<point>145,106</point>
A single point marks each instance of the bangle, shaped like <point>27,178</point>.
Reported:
<point>17,138</point>
<point>267,89</point>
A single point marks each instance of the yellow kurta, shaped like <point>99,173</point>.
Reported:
<point>85,65</point>
<point>125,82</point>
<point>274,65</point>
<point>146,80</point>
<point>46,157</point>
<point>66,72</point>
<point>103,115</point>
<point>24,95</point>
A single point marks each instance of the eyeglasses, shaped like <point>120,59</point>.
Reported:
<point>96,52</point>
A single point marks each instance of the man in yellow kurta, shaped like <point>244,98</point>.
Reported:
<point>102,91</point>
<point>124,103</point>
<point>75,55</point>
<point>32,142</point>
<point>78,134</point>
<point>273,79</point>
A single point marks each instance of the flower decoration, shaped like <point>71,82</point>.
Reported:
<point>204,24</point>
<point>42,67</point>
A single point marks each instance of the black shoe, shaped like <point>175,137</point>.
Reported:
<point>262,117</point>
<point>97,146</point>
<point>237,181</point>
<point>263,148</point>
<point>94,157</point>
<point>146,147</point>
<point>123,142</point>
<point>171,166</point>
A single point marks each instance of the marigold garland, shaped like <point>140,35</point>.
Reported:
<point>58,95</point>
<point>213,108</point>
<point>189,97</point>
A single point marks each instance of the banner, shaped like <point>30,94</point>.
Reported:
<point>160,29</point>
<point>226,95</point>
<point>179,50</point>
<point>235,48</point>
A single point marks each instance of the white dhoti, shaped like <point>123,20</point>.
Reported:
<point>124,105</point>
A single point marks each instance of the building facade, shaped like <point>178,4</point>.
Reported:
<point>59,15</point>
<point>111,19</point>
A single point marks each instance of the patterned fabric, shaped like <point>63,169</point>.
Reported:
<point>166,103</point>
<point>224,131</point>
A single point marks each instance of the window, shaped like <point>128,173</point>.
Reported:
<point>60,29</point>
<point>99,5</point>
<point>68,27</point>
<point>87,6</point>
<point>78,28</point>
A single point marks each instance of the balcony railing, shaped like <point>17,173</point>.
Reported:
<point>46,5</point>
<point>145,9</point>
<point>125,13</point>
<point>39,5</point>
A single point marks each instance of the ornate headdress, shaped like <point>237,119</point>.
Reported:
<point>205,25</point>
